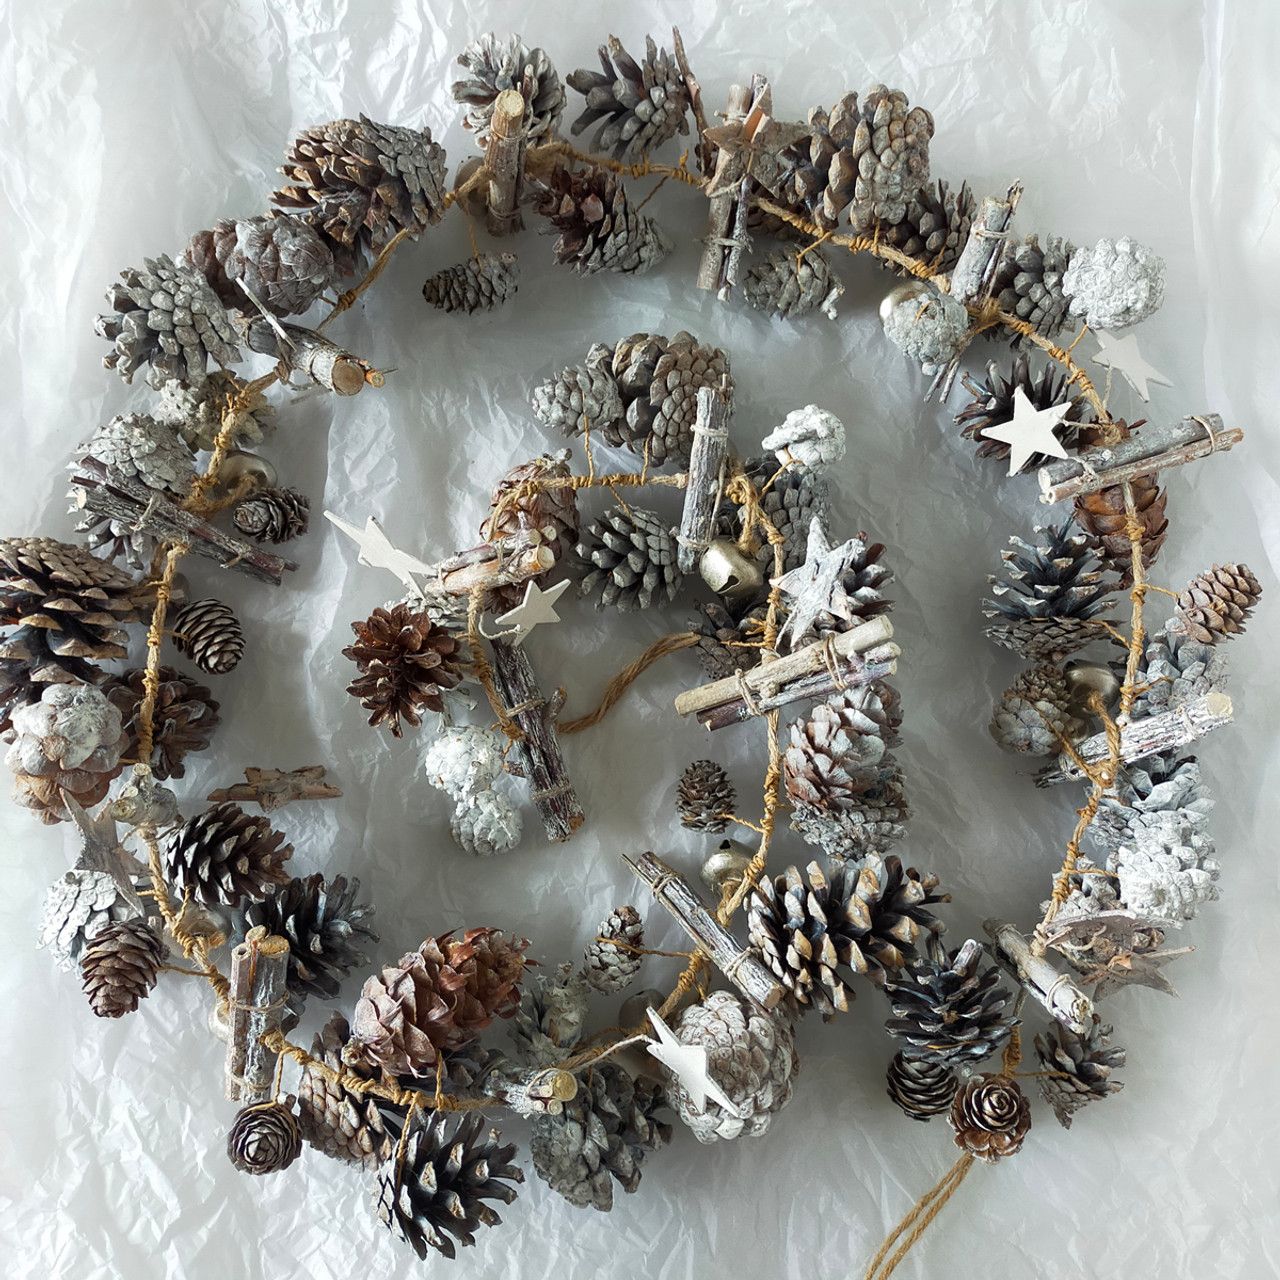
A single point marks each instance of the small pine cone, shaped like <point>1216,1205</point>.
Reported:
<point>640,104</point>
<point>485,823</point>
<point>274,515</point>
<point>922,1089</point>
<point>632,557</point>
<point>584,398</point>
<point>209,633</point>
<point>336,1121</point>
<point>406,664</point>
<point>599,230</point>
<point>224,856</point>
<point>481,283</point>
<point>991,1117</point>
<point>1216,604</point>
<point>789,499</point>
<point>552,510</point>
<point>1077,1069</point>
<point>1029,283</point>
<point>119,966</point>
<point>726,645</point>
<point>1035,713</point>
<point>182,720</point>
<point>196,412</point>
<point>705,797</point>
<point>495,65</point>
<point>928,327</point>
<point>264,1137</point>
<point>276,261</point>
<point>610,968</point>
<point>789,287</point>
<point>936,226</point>
<point>79,905</point>
<point>551,1018</point>
<point>1114,283</point>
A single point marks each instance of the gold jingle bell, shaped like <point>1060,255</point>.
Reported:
<point>239,466</point>
<point>728,572</point>
<point>1087,678</point>
<point>902,293</point>
<point>729,862</point>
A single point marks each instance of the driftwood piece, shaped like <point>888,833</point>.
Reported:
<point>96,488</point>
<point>706,476</point>
<point>1147,451</point>
<point>1148,736</point>
<point>504,160</point>
<point>722,208</point>
<point>259,966</point>
<point>706,151</point>
<point>539,1091</point>
<point>274,788</point>
<point>543,764</point>
<point>311,354</point>
<point>1058,992</point>
<point>979,260</point>
<point>773,676</point>
<point>735,961</point>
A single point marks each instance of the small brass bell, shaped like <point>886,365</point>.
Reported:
<point>729,862</point>
<point>240,465</point>
<point>902,293</point>
<point>1087,678</point>
<point>729,573</point>
<point>635,1008</point>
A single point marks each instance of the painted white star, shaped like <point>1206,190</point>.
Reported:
<point>816,586</point>
<point>377,551</point>
<point>1121,355</point>
<point>688,1063</point>
<point>538,606</point>
<point>1029,431</point>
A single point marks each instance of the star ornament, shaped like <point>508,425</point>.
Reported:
<point>1121,355</point>
<point>1029,431</point>
<point>377,551</point>
<point>688,1063</point>
<point>537,607</point>
<point>816,586</point>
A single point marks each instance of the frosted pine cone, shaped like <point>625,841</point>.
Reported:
<point>928,327</point>
<point>552,1014</point>
<point>1144,794</point>
<point>196,412</point>
<point>1029,283</point>
<point>632,557</point>
<point>482,283</point>
<point>1167,872</point>
<point>705,797</point>
<point>119,966</point>
<point>495,64</point>
<point>1115,283</point>
<point>1216,604</point>
<point>599,230</point>
<point>264,1137</point>
<point>608,967</point>
<point>274,515</point>
<point>463,759</point>
<point>225,856</point>
<point>209,633</point>
<point>922,1089</point>
<point>1077,1069</point>
<point>1035,714</point>
<point>79,905</point>
<point>485,823</point>
<point>991,1117</point>
<point>584,398</point>
<point>789,287</point>
<point>1178,668</point>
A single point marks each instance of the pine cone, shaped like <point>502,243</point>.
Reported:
<point>992,406</point>
<point>182,720</point>
<point>1167,872</point>
<point>751,1055</point>
<point>1144,796</point>
<point>584,398</point>
<point>274,515</point>
<point>498,64</point>
<point>1028,283</point>
<point>440,1188</point>
<point>196,412</point>
<point>551,1018</point>
<point>922,1089</point>
<point>610,968</point>
<point>1216,604</point>
<point>119,966</point>
<point>599,230</point>
<point>264,1137</point>
<point>360,183</point>
<point>79,905</point>
<point>1050,596</point>
<point>224,856</point>
<point>725,645</point>
<point>481,283</point>
<point>640,105</point>
<point>436,998</point>
<point>209,633</point>
<point>486,823</point>
<point>1035,713</point>
<point>602,1135</point>
<point>326,928</point>
<point>1114,283</point>
<point>337,1122</point>
<point>1177,668</point>
<point>935,227</point>
<point>406,664</point>
<point>276,261</point>
<point>790,499</point>
<point>788,286</point>
<point>948,1009</point>
<point>705,797</point>
<point>991,1117</point>
<point>632,552</point>
<point>69,744</point>
<point>927,326</point>
<point>1078,1068</point>
<point>867,918</point>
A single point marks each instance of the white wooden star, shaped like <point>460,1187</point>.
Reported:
<point>688,1063</point>
<point>817,586</point>
<point>1029,431</point>
<point>538,606</point>
<point>376,550</point>
<point>1121,355</point>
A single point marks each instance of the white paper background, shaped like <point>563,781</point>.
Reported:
<point>128,126</point>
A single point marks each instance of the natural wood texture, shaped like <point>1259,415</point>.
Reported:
<point>535,1092</point>
<point>706,150</point>
<point>504,160</point>
<point>517,557</point>
<point>723,208</point>
<point>539,745</point>
<point>735,961</point>
<point>1145,737</point>
<point>706,476</point>
<point>980,258</point>
<point>313,355</point>
<point>259,966</point>
<point>1147,451</point>
<point>94,487</point>
<point>772,677</point>
<point>1058,992</point>
<point>274,788</point>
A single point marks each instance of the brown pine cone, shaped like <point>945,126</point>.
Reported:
<point>209,633</point>
<point>337,1122</point>
<point>406,664</point>
<point>120,966</point>
<point>599,230</point>
<point>705,797</point>
<point>991,1117</point>
<point>610,968</point>
<point>1216,604</point>
<point>274,515</point>
<point>182,722</point>
<point>264,1137</point>
<point>224,856</point>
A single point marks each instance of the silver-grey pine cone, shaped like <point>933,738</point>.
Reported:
<point>789,499</point>
<point>1034,714</point>
<point>481,283</point>
<point>890,153</point>
<point>1077,1070</point>
<point>335,1120</point>
<point>789,286</point>
<point>165,315</point>
<point>78,906</point>
<point>264,1137</point>
<point>1144,797</point>
<point>277,514</point>
<point>196,412</point>
<point>209,633</point>
<point>551,1018</point>
<point>496,64</point>
<point>1177,668</point>
<point>601,1137</point>
<point>705,797</point>
<point>935,226</point>
<point>922,1089</point>
<point>585,398</point>
<point>610,968</point>
<point>631,554</point>
<point>1028,283</point>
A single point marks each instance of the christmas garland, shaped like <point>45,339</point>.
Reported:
<point>795,620</point>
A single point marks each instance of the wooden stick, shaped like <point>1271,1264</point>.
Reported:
<point>736,962</point>
<point>544,767</point>
<point>720,218</point>
<point>274,788</point>
<point>1146,452</point>
<point>771,676</point>
<point>1057,992</point>
<point>259,966</point>
<point>515,558</point>
<point>1145,737</point>
<point>538,1091</point>
<point>504,159</point>
<point>979,260</point>
<point>705,149</point>
<point>313,355</point>
<point>97,488</point>
<point>706,476</point>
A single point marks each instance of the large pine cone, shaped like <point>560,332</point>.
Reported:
<point>209,633</point>
<point>632,557</point>
<point>182,720</point>
<point>1077,1069</point>
<point>1177,668</point>
<point>992,406</point>
<point>936,225</point>
<point>406,664</point>
<point>705,797</point>
<point>599,230</point>
<point>610,968</point>
<point>1216,604</point>
<point>498,64</point>
<point>264,1138</point>
<point>1028,283</point>
<point>991,1117</point>
<point>274,515</point>
<point>585,398</point>
<point>440,1188</point>
<point>120,966</point>
<point>336,1121</point>
<point>789,287</point>
<point>480,283</point>
<point>436,998</point>
<point>922,1089</point>
<point>225,856</point>
<point>1035,713</point>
